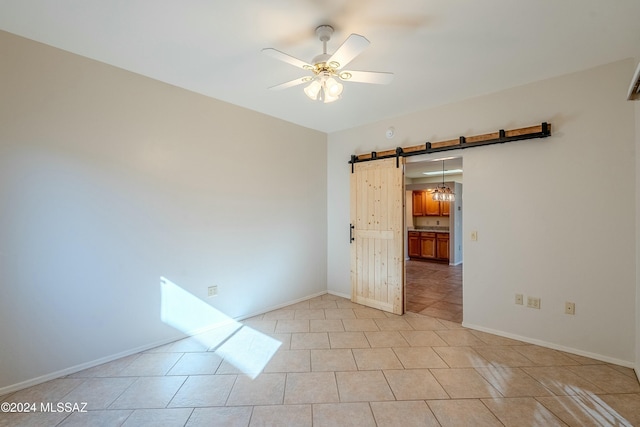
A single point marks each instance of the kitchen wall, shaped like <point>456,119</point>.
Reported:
<point>427,221</point>
<point>110,180</point>
<point>543,229</point>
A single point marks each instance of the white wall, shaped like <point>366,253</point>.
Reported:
<point>110,180</point>
<point>544,226</point>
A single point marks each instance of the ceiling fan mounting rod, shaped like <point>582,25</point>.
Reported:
<point>324,34</point>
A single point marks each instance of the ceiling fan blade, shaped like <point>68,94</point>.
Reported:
<point>274,53</point>
<point>352,47</point>
<point>295,82</point>
<point>374,77</point>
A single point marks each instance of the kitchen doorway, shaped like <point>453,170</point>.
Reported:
<point>433,250</point>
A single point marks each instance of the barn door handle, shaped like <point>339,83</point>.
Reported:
<point>351,238</point>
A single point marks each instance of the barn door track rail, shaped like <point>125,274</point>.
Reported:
<point>500,137</point>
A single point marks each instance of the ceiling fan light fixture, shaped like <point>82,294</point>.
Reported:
<point>313,89</point>
<point>333,87</point>
<point>324,88</point>
<point>327,98</point>
<point>327,95</point>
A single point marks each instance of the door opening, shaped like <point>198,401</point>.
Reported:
<point>433,250</point>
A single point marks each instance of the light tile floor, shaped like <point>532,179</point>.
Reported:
<point>338,364</point>
<point>434,289</point>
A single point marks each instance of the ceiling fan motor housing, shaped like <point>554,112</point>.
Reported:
<point>324,32</point>
<point>319,59</point>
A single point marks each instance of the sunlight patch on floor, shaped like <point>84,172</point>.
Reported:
<point>243,347</point>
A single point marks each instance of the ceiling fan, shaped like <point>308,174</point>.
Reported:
<point>328,70</point>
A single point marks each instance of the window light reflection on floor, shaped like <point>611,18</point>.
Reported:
<point>583,405</point>
<point>243,347</point>
<point>577,403</point>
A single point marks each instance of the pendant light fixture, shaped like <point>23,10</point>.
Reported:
<point>443,193</point>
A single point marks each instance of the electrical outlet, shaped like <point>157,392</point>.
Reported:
<point>533,302</point>
<point>213,290</point>
<point>569,308</point>
<point>519,299</point>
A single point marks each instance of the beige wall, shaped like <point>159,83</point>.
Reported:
<point>637,111</point>
<point>110,180</point>
<point>543,227</point>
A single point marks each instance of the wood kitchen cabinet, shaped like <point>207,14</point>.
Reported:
<point>418,203</point>
<point>444,208</point>
<point>431,207</point>
<point>424,205</point>
<point>414,244</point>
<point>442,246</point>
<point>428,245</point>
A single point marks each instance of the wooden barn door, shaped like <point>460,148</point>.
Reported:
<point>377,221</point>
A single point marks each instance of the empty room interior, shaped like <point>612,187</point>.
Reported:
<point>319,213</point>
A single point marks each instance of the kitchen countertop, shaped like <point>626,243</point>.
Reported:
<point>434,229</point>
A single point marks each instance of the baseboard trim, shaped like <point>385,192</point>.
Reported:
<point>93,363</point>
<point>553,346</point>
<point>81,367</point>
<point>279,306</point>
<point>339,294</point>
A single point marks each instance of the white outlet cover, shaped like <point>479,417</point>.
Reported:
<point>570,308</point>
<point>533,302</point>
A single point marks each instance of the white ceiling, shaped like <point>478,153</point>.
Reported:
<point>441,51</point>
<point>415,167</point>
